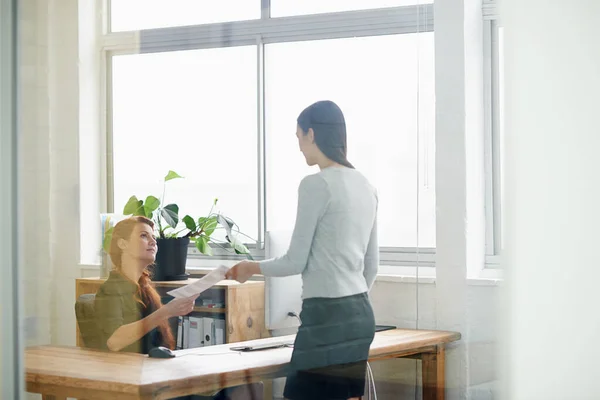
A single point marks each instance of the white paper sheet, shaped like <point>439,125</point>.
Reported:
<point>206,282</point>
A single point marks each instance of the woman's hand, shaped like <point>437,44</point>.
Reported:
<point>177,307</point>
<point>243,271</point>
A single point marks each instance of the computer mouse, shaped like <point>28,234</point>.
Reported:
<point>160,352</point>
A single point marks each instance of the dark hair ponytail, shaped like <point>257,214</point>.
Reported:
<point>327,122</point>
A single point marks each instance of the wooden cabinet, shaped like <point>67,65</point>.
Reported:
<point>242,305</point>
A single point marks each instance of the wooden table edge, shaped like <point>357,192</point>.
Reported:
<point>156,390</point>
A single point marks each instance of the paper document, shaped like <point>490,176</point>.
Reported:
<point>206,282</point>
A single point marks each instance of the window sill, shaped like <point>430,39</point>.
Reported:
<point>89,266</point>
<point>486,277</point>
<point>402,275</point>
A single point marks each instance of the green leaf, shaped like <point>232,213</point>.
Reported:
<point>237,245</point>
<point>210,225</point>
<point>172,175</point>
<point>226,223</point>
<point>170,213</point>
<point>189,223</point>
<point>151,204</point>
<point>202,245</point>
<point>107,239</point>
<point>248,255</point>
<point>240,248</point>
<point>132,206</point>
<point>145,212</point>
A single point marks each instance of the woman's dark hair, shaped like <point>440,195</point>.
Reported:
<point>146,294</point>
<point>328,123</point>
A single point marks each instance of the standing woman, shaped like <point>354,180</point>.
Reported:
<point>334,246</point>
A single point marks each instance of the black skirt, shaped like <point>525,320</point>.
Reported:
<point>331,349</point>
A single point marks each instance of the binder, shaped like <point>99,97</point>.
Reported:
<point>209,329</point>
<point>179,333</point>
<point>186,332</point>
<point>219,336</point>
<point>196,332</point>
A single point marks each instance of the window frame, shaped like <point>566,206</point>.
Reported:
<point>260,32</point>
<point>12,362</point>
<point>493,210</point>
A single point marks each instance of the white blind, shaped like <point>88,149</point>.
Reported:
<point>490,9</point>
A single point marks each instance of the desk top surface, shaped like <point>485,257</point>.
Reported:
<point>224,283</point>
<point>202,369</point>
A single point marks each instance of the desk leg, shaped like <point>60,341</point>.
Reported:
<point>433,374</point>
<point>268,389</point>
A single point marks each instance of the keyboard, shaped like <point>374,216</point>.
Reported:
<point>264,346</point>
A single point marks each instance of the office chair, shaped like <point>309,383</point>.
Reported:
<point>84,312</point>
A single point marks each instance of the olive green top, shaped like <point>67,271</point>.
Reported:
<point>116,304</point>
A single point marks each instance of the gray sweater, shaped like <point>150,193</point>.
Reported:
<point>334,243</point>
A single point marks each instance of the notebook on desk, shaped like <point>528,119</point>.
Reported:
<point>381,328</point>
<point>264,346</point>
<point>276,345</point>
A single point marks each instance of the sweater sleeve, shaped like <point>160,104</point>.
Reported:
<point>372,256</point>
<point>313,199</point>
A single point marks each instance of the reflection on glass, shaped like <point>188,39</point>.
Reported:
<point>193,112</point>
<point>284,8</point>
<point>128,15</point>
<point>385,87</point>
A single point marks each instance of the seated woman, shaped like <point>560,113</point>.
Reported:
<point>129,313</point>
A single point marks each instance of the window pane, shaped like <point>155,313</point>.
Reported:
<point>283,8</point>
<point>387,97</point>
<point>193,112</point>
<point>129,15</point>
<point>501,119</point>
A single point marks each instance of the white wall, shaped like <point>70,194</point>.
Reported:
<point>35,165</point>
<point>396,304</point>
<point>49,163</point>
<point>552,209</point>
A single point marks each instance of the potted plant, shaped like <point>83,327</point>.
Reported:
<point>174,234</point>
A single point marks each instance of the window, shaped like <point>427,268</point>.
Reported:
<point>494,64</point>
<point>284,8</point>
<point>131,15</point>
<point>388,101</point>
<point>499,134</point>
<point>193,112</point>
<point>218,104</point>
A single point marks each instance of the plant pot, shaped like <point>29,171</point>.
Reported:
<point>171,259</point>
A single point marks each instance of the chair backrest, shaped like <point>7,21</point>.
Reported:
<point>84,312</point>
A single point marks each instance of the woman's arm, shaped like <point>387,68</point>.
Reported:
<point>372,257</point>
<point>131,333</point>
<point>313,199</point>
<point>110,316</point>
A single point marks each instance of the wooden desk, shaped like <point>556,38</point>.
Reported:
<point>91,374</point>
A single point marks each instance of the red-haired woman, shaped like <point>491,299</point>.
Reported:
<point>129,312</point>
